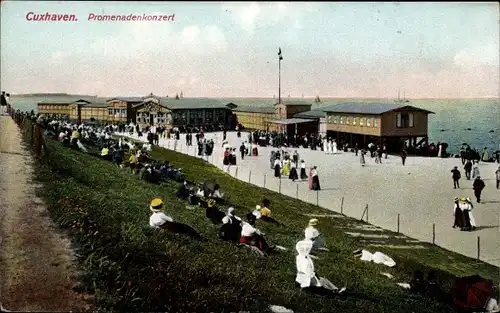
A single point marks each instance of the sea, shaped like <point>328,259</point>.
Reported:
<point>456,121</point>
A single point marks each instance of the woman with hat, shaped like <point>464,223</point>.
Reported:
<point>458,214</point>
<point>315,179</point>
<point>311,233</point>
<point>303,174</point>
<point>212,213</point>
<point>470,221</point>
<point>251,236</point>
<point>159,220</point>
<point>306,275</point>
<point>231,227</point>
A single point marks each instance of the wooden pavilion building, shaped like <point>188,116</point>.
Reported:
<point>278,118</point>
<point>391,123</point>
<point>183,113</point>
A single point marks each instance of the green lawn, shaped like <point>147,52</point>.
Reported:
<point>131,267</point>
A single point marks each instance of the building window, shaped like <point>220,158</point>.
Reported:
<point>348,120</point>
<point>209,116</point>
<point>110,111</point>
<point>362,121</point>
<point>196,117</point>
<point>124,112</point>
<point>342,120</point>
<point>375,122</point>
<point>219,116</point>
<point>404,120</point>
<point>368,122</point>
<point>355,121</point>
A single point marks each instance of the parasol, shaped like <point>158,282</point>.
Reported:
<point>471,293</point>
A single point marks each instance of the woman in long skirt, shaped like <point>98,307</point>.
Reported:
<point>277,168</point>
<point>227,156</point>
<point>459,216</point>
<point>310,179</point>
<point>315,179</point>
<point>272,159</point>
<point>303,174</point>
<point>286,167</point>
<point>293,172</point>
<point>362,157</point>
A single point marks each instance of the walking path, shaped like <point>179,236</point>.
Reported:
<point>36,263</point>
<point>421,192</point>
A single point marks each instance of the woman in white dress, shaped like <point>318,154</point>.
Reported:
<point>330,147</point>
<point>334,147</point>
<point>325,146</point>
<point>306,276</point>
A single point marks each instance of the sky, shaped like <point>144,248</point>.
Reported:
<point>224,49</point>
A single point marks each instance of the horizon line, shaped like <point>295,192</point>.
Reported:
<point>33,94</point>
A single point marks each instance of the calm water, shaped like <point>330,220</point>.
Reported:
<point>449,123</point>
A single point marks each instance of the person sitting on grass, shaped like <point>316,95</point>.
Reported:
<point>183,192</point>
<point>251,236</point>
<point>105,153</point>
<point>159,220</point>
<point>231,227</point>
<point>306,276</point>
<point>311,233</point>
<point>263,213</point>
<point>212,213</point>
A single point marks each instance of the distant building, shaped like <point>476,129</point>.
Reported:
<point>388,123</point>
<point>279,118</point>
<point>196,112</point>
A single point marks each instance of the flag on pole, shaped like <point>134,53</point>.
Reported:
<point>279,54</point>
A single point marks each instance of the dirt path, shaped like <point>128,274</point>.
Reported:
<point>37,270</point>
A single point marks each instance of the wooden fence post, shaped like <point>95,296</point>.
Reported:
<point>297,191</point>
<point>265,176</point>
<point>250,176</point>
<point>342,206</point>
<point>478,247</point>
<point>317,197</point>
<point>433,234</point>
<point>367,212</point>
<point>398,223</point>
<point>236,173</point>
<point>279,187</point>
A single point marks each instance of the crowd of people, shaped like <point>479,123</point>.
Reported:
<point>233,228</point>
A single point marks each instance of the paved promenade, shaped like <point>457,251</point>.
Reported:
<point>421,192</point>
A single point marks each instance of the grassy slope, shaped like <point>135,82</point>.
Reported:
<point>132,267</point>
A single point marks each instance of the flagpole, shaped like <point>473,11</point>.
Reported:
<point>279,78</point>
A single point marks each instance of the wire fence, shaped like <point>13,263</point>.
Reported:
<point>298,191</point>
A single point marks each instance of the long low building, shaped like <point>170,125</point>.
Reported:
<point>148,110</point>
<point>389,123</point>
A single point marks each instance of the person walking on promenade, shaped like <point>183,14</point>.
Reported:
<point>475,171</point>
<point>497,175</point>
<point>468,169</point>
<point>458,214</point>
<point>456,177</point>
<point>404,155</point>
<point>478,187</point>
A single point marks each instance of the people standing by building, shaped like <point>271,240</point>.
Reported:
<point>362,157</point>
<point>456,177</point>
<point>478,187</point>
<point>404,155</point>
